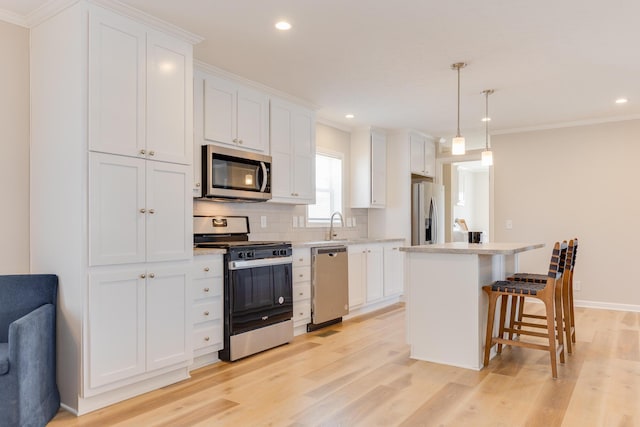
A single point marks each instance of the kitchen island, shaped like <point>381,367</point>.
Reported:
<point>446,311</point>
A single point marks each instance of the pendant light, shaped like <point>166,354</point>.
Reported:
<point>457,143</point>
<point>487,155</point>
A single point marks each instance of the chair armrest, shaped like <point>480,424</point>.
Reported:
<point>32,340</point>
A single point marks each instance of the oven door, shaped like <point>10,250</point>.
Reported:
<point>260,293</point>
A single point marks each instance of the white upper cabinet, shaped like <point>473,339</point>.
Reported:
<point>368,169</point>
<point>423,155</point>
<point>235,115</point>
<point>140,90</point>
<point>293,149</point>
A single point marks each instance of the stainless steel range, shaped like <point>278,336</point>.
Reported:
<point>258,293</point>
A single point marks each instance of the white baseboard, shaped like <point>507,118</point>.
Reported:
<point>607,305</point>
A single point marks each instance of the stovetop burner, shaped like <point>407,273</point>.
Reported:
<point>240,244</point>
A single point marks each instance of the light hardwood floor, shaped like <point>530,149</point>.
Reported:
<point>359,374</point>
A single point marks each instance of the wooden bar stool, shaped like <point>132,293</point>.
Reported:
<point>568,320</point>
<point>549,293</point>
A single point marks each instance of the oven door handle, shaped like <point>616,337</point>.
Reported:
<point>241,265</point>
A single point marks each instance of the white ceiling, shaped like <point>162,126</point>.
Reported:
<point>388,62</point>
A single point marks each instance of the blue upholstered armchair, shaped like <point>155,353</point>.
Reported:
<point>28,391</point>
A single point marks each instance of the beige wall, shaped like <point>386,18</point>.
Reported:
<point>14,149</point>
<point>575,182</point>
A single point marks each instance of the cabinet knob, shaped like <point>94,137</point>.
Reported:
<point>206,269</point>
<point>197,184</point>
<point>240,141</point>
<point>142,276</point>
<point>300,259</point>
<point>152,211</point>
<point>143,210</point>
<point>302,275</point>
<point>235,140</point>
<point>152,275</point>
<point>206,313</point>
<point>152,153</point>
<point>206,338</point>
<point>143,152</point>
<point>206,289</point>
<point>301,293</point>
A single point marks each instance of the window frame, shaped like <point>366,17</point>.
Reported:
<point>340,156</point>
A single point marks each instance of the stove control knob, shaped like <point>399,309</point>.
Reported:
<point>240,254</point>
<point>275,252</point>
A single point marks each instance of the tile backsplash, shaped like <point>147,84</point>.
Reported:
<point>279,220</point>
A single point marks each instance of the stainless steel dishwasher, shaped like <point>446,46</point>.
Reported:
<point>329,286</point>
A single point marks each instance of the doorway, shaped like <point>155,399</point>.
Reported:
<point>467,186</point>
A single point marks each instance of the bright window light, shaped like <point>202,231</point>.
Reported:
<point>328,188</point>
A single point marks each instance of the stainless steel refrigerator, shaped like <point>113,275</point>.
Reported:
<point>427,213</point>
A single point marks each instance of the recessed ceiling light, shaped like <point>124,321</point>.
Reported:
<point>349,116</point>
<point>283,25</point>
<point>621,101</point>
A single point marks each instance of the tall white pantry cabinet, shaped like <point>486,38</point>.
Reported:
<point>111,209</point>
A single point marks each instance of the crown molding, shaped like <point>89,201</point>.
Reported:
<point>333,124</point>
<point>13,18</point>
<point>576,123</point>
<point>219,72</point>
<point>53,7</point>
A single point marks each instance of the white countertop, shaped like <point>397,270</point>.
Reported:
<point>345,242</point>
<point>494,248</point>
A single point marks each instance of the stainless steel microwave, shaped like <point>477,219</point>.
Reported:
<point>235,175</point>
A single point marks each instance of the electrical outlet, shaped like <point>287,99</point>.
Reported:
<point>295,221</point>
<point>263,221</point>
<point>508,224</point>
<point>576,285</point>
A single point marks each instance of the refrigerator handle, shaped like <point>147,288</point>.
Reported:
<point>436,220</point>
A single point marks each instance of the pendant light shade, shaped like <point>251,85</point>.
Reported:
<point>487,155</point>
<point>457,143</point>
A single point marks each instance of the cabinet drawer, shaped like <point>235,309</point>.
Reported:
<point>301,256</point>
<point>302,312</point>
<point>207,310</point>
<point>209,336</point>
<point>207,266</point>
<point>207,287</point>
<point>302,292</point>
<point>301,274</point>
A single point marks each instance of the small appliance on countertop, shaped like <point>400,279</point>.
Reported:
<point>258,286</point>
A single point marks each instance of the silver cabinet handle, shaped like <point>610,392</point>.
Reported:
<point>206,338</point>
<point>206,313</point>
<point>152,275</point>
<point>240,141</point>
<point>152,211</point>
<point>143,152</point>
<point>197,184</point>
<point>142,276</point>
<point>152,153</point>
<point>143,210</point>
<point>206,269</point>
<point>235,140</point>
<point>206,289</point>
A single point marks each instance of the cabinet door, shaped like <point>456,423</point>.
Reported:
<point>378,169</point>
<point>357,274</point>
<point>116,84</point>
<point>169,99</point>
<point>252,120</point>
<point>375,272</point>
<point>393,270</point>
<point>168,212</point>
<point>219,110</point>
<point>417,153</point>
<point>115,326</point>
<point>281,151</point>
<point>198,133</point>
<point>429,157</point>
<point>167,318</point>
<point>304,159</point>
<point>116,197</point>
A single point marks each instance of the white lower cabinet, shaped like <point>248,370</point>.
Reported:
<point>301,289</point>
<point>393,269</point>
<point>207,306</point>
<point>375,272</point>
<point>137,322</point>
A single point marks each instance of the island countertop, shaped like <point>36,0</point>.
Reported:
<point>474,248</point>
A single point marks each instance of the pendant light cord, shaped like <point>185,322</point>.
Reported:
<point>458,133</point>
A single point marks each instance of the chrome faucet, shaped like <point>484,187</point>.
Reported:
<point>331,235</point>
